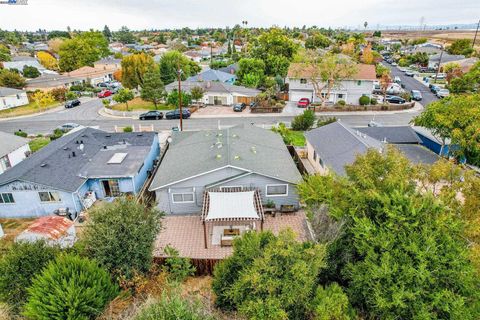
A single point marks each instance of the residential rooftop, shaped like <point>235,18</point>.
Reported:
<point>10,142</point>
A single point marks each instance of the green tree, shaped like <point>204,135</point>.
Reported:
<point>58,34</point>
<point>331,303</point>
<point>106,32</point>
<point>197,93</point>
<point>30,72</point>
<point>70,287</point>
<point>461,47</point>
<point>170,62</point>
<point>43,99</point>
<point>468,82</point>
<point>251,80</point>
<point>172,98</point>
<point>82,50</point>
<point>269,277</point>
<point>4,53</point>
<point>317,40</point>
<point>153,89</point>
<point>18,266</point>
<point>250,66</point>
<point>134,68</point>
<point>121,236</point>
<point>304,121</point>
<point>456,118</point>
<point>123,96</point>
<point>124,35</point>
<point>11,79</point>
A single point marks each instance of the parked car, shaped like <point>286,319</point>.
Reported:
<point>394,64</point>
<point>397,80</point>
<point>416,95</point>
<point>303,103</point>
<point>151,115</point>
<point>239,107</point>
<point>102,85</point>
<point>104,94</point>
<point>440,76</point>
<point>395,100</point>
<point>175,114</point>
<point>434,88</point>
<point>68,126</point>
<point>253,105</point>
<point>409,73</point>
<point>442,93</point>
<point>72,103</point>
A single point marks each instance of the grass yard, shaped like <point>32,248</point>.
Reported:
<point>296,138</point>
<point>12,228</point>
<point>139,104</point>
<point>28,109</point>
<point>38,143</point>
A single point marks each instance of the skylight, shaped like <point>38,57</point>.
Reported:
<point>117,158</point>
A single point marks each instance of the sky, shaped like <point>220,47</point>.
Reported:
<point>161,14</point>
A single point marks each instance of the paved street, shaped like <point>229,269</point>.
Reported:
<point>412,84</point>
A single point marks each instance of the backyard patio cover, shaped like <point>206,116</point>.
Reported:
<point>232,206</point>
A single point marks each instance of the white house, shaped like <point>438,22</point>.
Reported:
<point>10,98</point>
<point>54,230</point>
<point>350,90</point>
<point>13,149</point>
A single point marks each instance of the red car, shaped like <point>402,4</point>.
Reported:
<point>303,103</point>
<point>104,94</point>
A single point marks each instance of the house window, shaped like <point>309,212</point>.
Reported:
<point>275,190</point>
<point>359,82</point>
<point>4,163</point>
<point>340,96</point>
<point>49,196</point>
<point>231,188</point>
<point>314,156</point>
<point>187,197</point>
<point>303,81</point>
<point>6,198</point>
<point>18,97</point>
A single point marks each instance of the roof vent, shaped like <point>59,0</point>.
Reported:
<point>139,134</point>
<point>237,157</point>
<point>104,147</point>
<point>66,148</point>
<point>108,136</point>
<point>43,165</point>
<point>73,154</point>
<point>254,149</point>
<point>218,156</point>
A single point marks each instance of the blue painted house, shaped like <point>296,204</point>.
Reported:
<point>71,173</point>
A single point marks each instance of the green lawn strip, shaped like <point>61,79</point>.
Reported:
<point>38,143</point>
<point>138,104</point>
<point>28,109</point>
<point>296,137</point>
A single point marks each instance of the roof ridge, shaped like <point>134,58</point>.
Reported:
<point>350,130</point>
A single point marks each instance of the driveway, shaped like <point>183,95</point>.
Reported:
<point>413,84</point>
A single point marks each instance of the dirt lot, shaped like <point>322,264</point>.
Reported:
<point>12,228</point>
<point>436,36</point>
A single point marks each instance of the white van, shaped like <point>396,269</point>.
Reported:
<point>397,80</point>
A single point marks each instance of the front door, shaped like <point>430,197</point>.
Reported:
<point>111,188</point>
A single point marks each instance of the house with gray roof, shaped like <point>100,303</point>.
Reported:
<point>333,146</point>
<point>234,159</point>
<point>11,98</point>
<point>213,75</point>
<point>218,93</point>
<point>71,173</point>
<point>436,59</point>
<point>13,149</point>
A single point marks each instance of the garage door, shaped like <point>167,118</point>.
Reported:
<point>296,95</point>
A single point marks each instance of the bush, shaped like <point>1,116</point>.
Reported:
<point>70,287</point>
<point>59,94</point>
<point>127,129</point>
<point>178,268</point>
<point>18,266</point>
<point>364,100</point>
<point>57,133</point>
<point>373,101</point>
<point>324,121</point>
<point>341,102</point>
<point>30,72</point>
<point>21,133</point>
<point>173,307</point>
<point>331,303</point>
<point>121,235</point>
<point>304,121</point>
<point>70,95</point>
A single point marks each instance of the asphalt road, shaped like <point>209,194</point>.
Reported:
<point>412,84</point>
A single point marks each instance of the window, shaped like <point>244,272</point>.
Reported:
<point>4,163</point>
<point>231,188</point>
<point>182,197</point>
<point>314,156</point>
<point>274,190</point>
<point>359,82</point>
<point>6,198</point>
<point>18,96</point>
<point>303,81</point>
<point>340,96</point>
<point>49,196</point>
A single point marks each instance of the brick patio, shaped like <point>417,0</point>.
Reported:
<point>185,233</point>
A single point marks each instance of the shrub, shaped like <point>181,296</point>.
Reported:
<point>121,235</point>
<point>59,94</point>
<point>373,101</point>
<point>364,100</point>
<point>70,287</point>
<point>30,72</point>
<point>127,129</point>
<point>70,95</point>
<point>57,133</point>
<point>178,268</point>
<point>21,133</point>
<point>77,87</point>
<point>304,121</point>
<point>341,102</point>
<point>18,266</point>
<point>324,121</point>
<point>173,307</point>
<point>331,303</point>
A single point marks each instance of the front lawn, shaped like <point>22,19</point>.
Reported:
<point>296,138</point>
<point>38,143</point>
<point>28,109</point>
<point>138,104</point>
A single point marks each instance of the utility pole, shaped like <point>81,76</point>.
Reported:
<point>179,72</point>
<point>475,38</point>
<point>439,62</point>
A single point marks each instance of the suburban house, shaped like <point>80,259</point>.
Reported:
<point>71,173</point>
<point>428,48</point>
<point>101,72</point>
<point>213,75</point>
<point>47,82</point>
<point>20,62</point>
<point>54,230</point>
<point>193,55</point>
<point>215,185</point>
<point>13,149</point>
<point>108,63</point>
<point>232,69</point>
<point>218,93</point>
<point>333,146</point>
<point>434,60</point>
<point>349,90</point>
<point>10,98</point>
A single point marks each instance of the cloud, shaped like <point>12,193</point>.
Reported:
<point>86,14</point>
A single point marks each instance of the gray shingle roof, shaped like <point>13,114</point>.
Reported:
<point>54,165</point>
<point>418,154</point>
<point>246,147</point>
<point>10,142</point>
<point>5,92</point>
<point>212,75</point>
<point>401,134</point>
<point>338,145</point>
